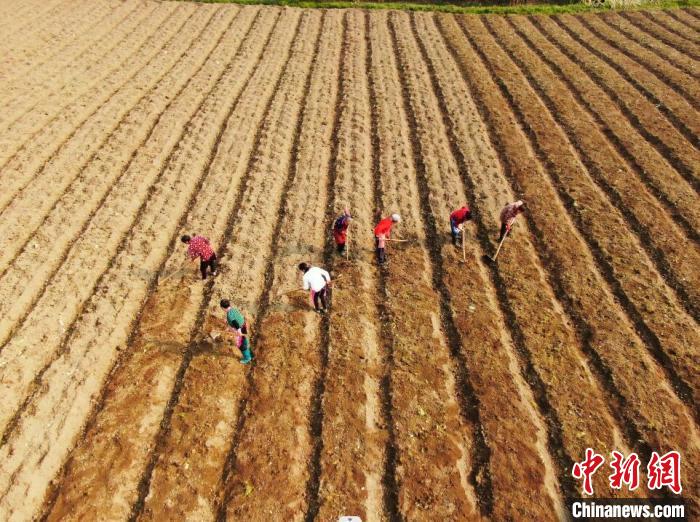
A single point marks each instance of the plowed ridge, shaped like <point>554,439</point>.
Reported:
<point>440,385</point>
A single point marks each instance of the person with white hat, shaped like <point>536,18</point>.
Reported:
<point>381,234</point>
<point>508,215</point>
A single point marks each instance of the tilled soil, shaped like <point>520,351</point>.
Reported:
<point>439,386</point>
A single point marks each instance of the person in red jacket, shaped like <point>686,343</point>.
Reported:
<point>381,233</point>
<point>340,230</point>
<point>457,220</point>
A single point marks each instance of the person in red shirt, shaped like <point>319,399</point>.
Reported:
<point>381,233</point>
<point>457,220</point>
<point>340,230</point>
<point>199,247</point>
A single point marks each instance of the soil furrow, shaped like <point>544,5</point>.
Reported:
<point>89,357</point>
<point>31,155</point>
<point>676,33</point>
<point>319,400</point>
<point>411,305</point>
<point>653,26</point>
<point>517,160</point>
<point>204,417</point>
<point>682,16</point>
<point>669,104</point>
<point>648,405</point>
<point>51,47</point>
<point>68,164</point>
<point>628,46</point>
<point>70,141</point>
<point>668,253</point>
<point>516,279</point>
<point>26,14</point>
<point>35,106</point>
<point>86,265</point>
<point>595,89</point>
<point>346,418</point>
<point>352,467</point>
<point>28,45</point>
<point>669,20</point>
<point>35,91</point>
<point>45,23</point>
<point>40,257</point>
<point>150,363</point>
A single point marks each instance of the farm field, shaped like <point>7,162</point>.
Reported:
<point>435,389</point>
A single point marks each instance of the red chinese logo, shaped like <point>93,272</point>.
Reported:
<point>625,471</point>
<point>586,468</point>
<point>665,471</point>
<point>662,470</point>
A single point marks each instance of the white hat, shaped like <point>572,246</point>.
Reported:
<point>395,218</point>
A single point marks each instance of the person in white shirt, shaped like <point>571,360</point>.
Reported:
<point>316,280</point>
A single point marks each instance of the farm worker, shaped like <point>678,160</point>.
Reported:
<point>457,220</point>
<point>239,326</point>
<point>199,247</point>
<point>381,233</point>
<point>340,230</point>
<point>317,281</point>
<point>508,215</point>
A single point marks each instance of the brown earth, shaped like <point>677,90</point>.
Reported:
<point>440,386</point>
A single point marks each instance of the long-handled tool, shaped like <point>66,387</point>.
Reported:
<point>177,271</point>
<point>493,259</point>
<point>464,245</point>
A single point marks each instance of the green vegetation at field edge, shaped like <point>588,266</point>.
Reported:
<point>526,9</point>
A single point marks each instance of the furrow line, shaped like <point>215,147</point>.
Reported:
<point>84,357</point>
<point>636,76</point>
<point>437,195</point>
<point>31,156</point>
<point>548,414</point>
<point>580,289</point>
<point>37,88</point>
<point>650,27</point>
<point>151,361</point>
<point>682,16</point>
<point>272,335</point>
<point>200,403</point>
<point>69,162</point>
<point>669,29</point>
<point>53,309</point>
<point>590,88</point>
<point>31,270</point>
<point>516,159</point>
<point>25,15</point>
<point>657,235</point>
<point>28,41</point>
<point>583,146</point>
<point>346,468</point>
<point>68,29</point>
<point>26,38</point>
<point>676,71</point>
<point>187,375</point>
<point>128,178</point>
<point>386,386</point>
<point>34,104</point>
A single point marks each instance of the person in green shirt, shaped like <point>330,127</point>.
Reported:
<point>238,325</point>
